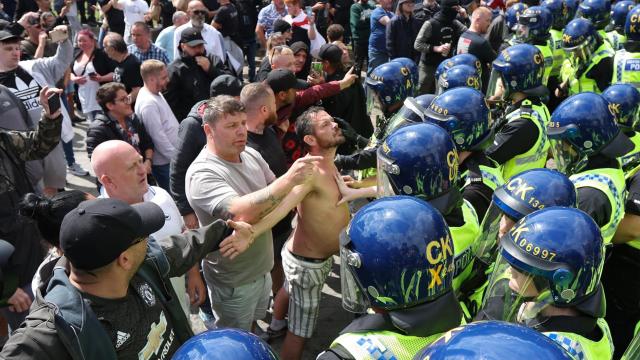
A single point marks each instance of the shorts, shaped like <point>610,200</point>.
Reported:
<point>239,307</point>
<point>304,281</point>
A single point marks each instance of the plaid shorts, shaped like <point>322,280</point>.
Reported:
<point>304,281</point>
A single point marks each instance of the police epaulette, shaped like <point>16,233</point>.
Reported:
<point>526,107</point>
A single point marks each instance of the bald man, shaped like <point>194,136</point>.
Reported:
<point>123,175</point>
<point>473,42</point>
<point>282,58</point>
<point>197,19</point>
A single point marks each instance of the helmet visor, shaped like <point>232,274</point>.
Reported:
<point>578,56</point>
<point>522,32</point>
<point>514,295</point>
<point>494,225</point>
<point>565,156</point>
<point>442,85</point>
<point>375,109</point>
<point>496,89</point>
<point>386,168</point>
<point>410,113</point>
<point>353,297</point>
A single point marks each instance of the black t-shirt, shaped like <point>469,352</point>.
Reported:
<point>138,324</point>
<point>248,18</point>
<point>115,18</point>
<point>227,17</point>
<point>475,44</point>
<point>128,73</point>
<point>268,145</point>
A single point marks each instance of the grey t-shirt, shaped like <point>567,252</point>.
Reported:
<point>210,180</point>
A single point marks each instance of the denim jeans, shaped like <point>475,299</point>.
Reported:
<point>68,152</point>
<point>161,173</point>
<point>376,58</point>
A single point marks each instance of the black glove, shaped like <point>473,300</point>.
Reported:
<point>351,134</point>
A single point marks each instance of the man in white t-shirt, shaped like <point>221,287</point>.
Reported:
<point>158,118</point>
<point>120,170</point>
<point>134,11</point>
<point>214,42</point>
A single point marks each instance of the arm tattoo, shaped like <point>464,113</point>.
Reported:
<point>265,198</point>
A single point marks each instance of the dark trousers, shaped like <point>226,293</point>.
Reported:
<point>90,14</point>
<point>360,50</point>
<point>249,48</point>
<point>427,79</point>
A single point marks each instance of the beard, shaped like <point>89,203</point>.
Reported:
<point>271,120</point>
<point>331,143</point>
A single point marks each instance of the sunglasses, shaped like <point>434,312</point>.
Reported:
<point>200,12</point>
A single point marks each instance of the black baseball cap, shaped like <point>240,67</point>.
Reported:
<point>6,35</point>
<point>225,85</point>
<point>283,80</point>
<point>281,26</point>
<point>298,46</point>
<point>330,52</point>
<point>191,37</point>
<point>98,231</point>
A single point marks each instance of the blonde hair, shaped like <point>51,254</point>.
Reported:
<point>151,68</point>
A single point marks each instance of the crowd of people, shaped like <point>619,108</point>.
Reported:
<point>472,164</point>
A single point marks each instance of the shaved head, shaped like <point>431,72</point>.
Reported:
<point>119,168</point>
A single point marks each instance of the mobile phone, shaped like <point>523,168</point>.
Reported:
<point>357,69</point>
<point>316,68</point>
<point>91,74</point>
<point>57,35</point>
<point>54,103</point>
<point>308,10</point>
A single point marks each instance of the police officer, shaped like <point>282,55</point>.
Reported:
<point>547,277</point>
<point>464,114</point>
<point>386,87</point>
<point>525,193</point>
<point>512,14</point>
<point>460,59</point>
<point>534,26</point>
<point>413,70</point>
<point>516,83</point>
<point>626,63</point>
<point>623,290</point>
<point>225,344</point>
<point>396,259</point>
<point>457,76</point>
<point>560,11</point>
<point>624,101</point>
<point>599,13</point>
<point>618,18</point>
<point>589,62</point>
<point>493,340</point>
<point>586,142</point>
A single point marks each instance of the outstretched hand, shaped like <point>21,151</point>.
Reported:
<point>350,194</point>
<point>238,242</point>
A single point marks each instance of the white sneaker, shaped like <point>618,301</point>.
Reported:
<point>77,170</point>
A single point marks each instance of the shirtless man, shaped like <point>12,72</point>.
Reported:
<point>307,257</point>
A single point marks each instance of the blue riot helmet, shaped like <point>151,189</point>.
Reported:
<point>413,69</point>
<point>396,253</point>
<point>525,193</point>
<point>534,25</point>
<point>464,114</point>
<point>518,68</point>
<point>572,8</point>
<point>425,100</point>
<point>583,125</point>
<point>493,340</point>
<point>559,11</point>
<point>579,41</point>
<point>632,24</point>
<point>619,14</point>
<point>512,14</point>
<point>387,86</point>
<point>420,160</point>
<point>598,11</point>
<point>457,76</point>
<point>460,59</point>
<point>624,100</point>
<point>551,257</point>
<point>225,344</point>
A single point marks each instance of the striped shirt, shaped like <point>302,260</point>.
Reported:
<point>154,52</point>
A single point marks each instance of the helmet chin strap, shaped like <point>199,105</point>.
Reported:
<point>531,308</point>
